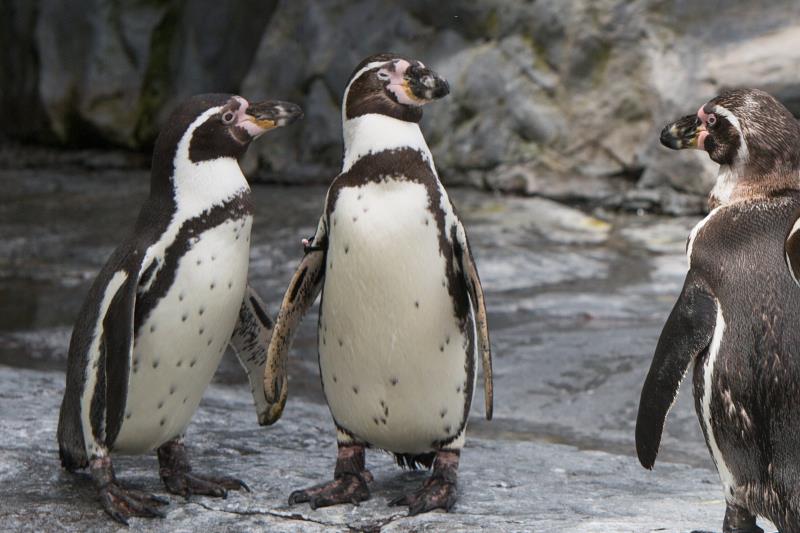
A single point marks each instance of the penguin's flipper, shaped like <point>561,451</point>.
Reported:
<point>303,290</point>
<point>249,341</point>
<point>98,361</point>
<point>473,281</point>
<point>792,249</point>
<point>116,355</point>
<point>686,334</point>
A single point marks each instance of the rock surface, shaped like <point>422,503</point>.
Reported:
<point>505,484</point>
<point>576,301</point>
<point>562,99</point>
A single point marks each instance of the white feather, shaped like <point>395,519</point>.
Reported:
<point>725,475</point>
<point>180,345</point>
<point>388,327</point>
<point>373,133</point>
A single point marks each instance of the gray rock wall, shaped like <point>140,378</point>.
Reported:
<point>560,98</point>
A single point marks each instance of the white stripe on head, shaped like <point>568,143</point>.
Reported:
<point>743,153</point>
<point>199,186</point>
<point>368,66</point>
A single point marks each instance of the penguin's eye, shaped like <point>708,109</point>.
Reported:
<point>383,75</point>
<point>712,119</point>
<point>227,117</point>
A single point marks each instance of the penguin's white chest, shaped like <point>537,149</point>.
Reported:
<point>393,357</point>
<point>179,346</point>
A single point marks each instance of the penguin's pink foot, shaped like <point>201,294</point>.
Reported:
<point>176,473</point>
<point>438,491</point>
<point>349,485</point>
<point>121,503</point>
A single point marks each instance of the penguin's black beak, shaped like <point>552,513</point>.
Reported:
<point>424,84</point>
<point>683,133</point>
<point>271,114</point>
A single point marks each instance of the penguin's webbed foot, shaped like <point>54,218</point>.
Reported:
<point>186,484</point>
<point>121,503</point>
<point>176,473</point>
<point>349,485</point>
<point>739,520</point>
<point>345,488</point>
<point>438,491</point>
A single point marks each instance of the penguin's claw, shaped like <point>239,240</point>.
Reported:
<point>435,493</point>
<point>345,488</point>
<point>121,504</point>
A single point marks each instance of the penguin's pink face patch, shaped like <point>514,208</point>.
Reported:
<point>394,74</point>
<point>708,120</point>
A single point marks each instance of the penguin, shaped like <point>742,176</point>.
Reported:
<point>169,300</point>
<point>402,317</point>
<point>737,315</point>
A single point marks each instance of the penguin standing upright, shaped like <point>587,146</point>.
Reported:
<point>402,318</point>
<point>738,314</point>
<point>161,312</point>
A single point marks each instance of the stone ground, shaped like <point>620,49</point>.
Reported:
<point>576,301</point>
<point>505,484</point>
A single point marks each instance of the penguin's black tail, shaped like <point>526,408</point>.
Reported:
<point>415,462</point>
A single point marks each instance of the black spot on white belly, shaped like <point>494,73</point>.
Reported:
<point>416,304</point>
<point>394,381</point>
<point>212,286</point>
<point>201,310</point>
<point>200,331</point>
<point>152,328</point>
<point>155,363</point>
<point>193,362</point>
<point>184,317</point>
<point>355,389</point>
<point>172,390</point>
<point>442,413</point>
<point>341,343</point>
<point>161,404</point>
<point>163,421</point>
<point>335,379</point>
<point>179,363</point>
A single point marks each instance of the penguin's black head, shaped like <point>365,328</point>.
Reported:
<point>212,126</point>
<point>222,125</point>
<point>745,129</point>
<point>388,84</point>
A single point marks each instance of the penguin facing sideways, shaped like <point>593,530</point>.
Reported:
<point>402,317</point>
<point>737,317</point>
<point>162,310</point>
